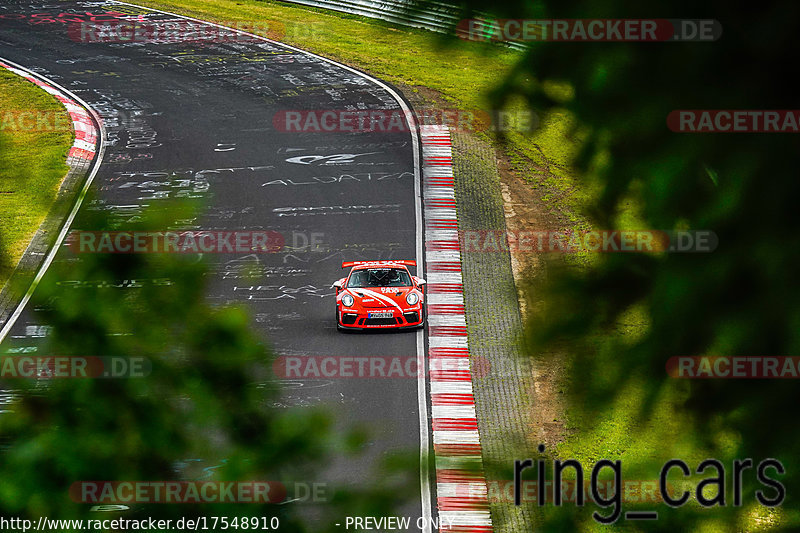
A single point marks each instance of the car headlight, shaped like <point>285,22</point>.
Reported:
<point>347,300</point>
<point>412,298</point>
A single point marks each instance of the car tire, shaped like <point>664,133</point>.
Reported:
<point>336,318</point>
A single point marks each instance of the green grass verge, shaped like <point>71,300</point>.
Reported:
<point>33,150</point>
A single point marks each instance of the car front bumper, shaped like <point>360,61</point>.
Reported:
<point>352,319</point>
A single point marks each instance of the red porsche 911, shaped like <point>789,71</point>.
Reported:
<point>379,294</point>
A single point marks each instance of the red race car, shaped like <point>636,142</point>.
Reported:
<point>379,294</point>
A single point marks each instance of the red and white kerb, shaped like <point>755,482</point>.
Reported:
<point>460,482</point>
<point>85,145</point>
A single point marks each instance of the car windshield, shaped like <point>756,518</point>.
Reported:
<point>379,277</point>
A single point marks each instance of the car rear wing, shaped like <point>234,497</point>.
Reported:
<point>406,262</point>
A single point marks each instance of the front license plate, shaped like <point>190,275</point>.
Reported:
<point>385,314</point>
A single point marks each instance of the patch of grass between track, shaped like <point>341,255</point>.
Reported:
<point>35,136</point>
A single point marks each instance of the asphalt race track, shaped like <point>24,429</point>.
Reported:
<point>197,121</point>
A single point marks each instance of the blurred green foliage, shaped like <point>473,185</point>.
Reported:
<point>742,299</point>
<point>200,405</point>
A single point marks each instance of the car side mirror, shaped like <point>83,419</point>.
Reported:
<point>337,285</point>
